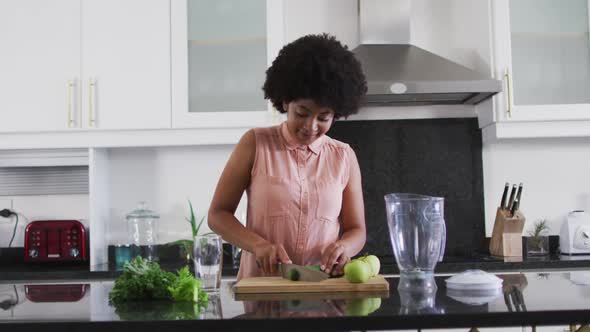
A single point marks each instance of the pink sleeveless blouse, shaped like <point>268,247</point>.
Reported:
<point>295,194</point>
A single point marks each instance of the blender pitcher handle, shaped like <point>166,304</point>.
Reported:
<point>443,242</point>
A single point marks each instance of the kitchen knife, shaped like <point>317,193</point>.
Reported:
<point>503,201</point>
<point>301,273</point>
<point>514,207</point>
<point>511,199</point>
<point>519,193</point>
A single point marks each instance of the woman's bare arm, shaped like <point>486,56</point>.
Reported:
<point>230,188</point>
<point>353,223</point>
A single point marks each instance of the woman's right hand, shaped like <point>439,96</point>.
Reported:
<point>268,256</point>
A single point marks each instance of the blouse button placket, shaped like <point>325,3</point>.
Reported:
<point>302,155</point>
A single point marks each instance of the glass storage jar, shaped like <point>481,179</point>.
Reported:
<point>142,231</point>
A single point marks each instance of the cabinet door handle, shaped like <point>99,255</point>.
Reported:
<point>508,93</point>
<point>70,102</point>
<point>91,97</point>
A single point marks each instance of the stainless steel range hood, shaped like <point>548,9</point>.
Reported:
<point>402,74</point>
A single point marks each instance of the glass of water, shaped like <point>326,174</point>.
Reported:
<point>208,260</point>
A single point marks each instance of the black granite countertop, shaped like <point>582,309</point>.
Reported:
<point>526,299</point>
<point>24,271</point>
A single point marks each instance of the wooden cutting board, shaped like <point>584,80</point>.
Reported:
<point>259,285</point>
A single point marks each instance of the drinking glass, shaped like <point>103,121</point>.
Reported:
<point>207,258</point>
<point>123,254</point>
<point>236,254</point>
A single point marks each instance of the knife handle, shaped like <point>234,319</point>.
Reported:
<point>519,193</point>
<point>512,196</point>
<point>504,193</point>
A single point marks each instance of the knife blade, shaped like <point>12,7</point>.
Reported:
<point>514,208</point>
<point>301,273</point>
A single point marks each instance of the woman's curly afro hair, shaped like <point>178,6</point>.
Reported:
<point>320,68</point>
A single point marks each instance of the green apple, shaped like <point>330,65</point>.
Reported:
<point>363,306</point>
<point>375,304</point>
<point>373,262</point>
<point>357,271</point>
<point>358,307</point>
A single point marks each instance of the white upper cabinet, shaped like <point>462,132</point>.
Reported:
<point>84,64</point>
<point>125,64</point>
<point>542,52</point>
<point>39,64</point>
<point>220,52</point>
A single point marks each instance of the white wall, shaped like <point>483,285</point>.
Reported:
<point>454,29</point>
<point>337,17</point>
<point>31,208</point>
<point>166,178</point>
<point>555,173</point>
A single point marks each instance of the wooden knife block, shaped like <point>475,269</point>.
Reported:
<point>507,234</point>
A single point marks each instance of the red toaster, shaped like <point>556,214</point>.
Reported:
<point>55,241</point>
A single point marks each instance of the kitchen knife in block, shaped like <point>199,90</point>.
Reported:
<point>507,234</point>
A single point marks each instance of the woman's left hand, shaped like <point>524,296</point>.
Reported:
<point>334,258</point>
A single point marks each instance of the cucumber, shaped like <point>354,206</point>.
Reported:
<point>314,267</point>
<point>293,275</point>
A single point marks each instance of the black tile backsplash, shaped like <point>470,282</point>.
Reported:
<point>438,157</point>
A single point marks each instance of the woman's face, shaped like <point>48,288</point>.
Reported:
<point>307,121</point>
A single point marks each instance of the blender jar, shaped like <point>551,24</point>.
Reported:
<point>418,234</point>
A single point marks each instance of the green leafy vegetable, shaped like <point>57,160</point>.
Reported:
<point>143,280</point>
<point>187,288</point>
<point>194,227</point>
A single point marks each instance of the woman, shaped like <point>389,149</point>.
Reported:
<point>301,184</point>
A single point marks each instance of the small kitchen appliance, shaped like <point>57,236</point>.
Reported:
<point>55,241</point>
<point>418,235</point>
<point>574,236</point>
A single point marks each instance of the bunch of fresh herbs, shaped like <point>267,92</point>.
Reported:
<point>143,280</point>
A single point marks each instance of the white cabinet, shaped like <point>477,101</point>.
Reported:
<point>125,75</point>
<point>541,50</point>
<point>40,54</point>
<point>220,52</point>
<point>84,64</point>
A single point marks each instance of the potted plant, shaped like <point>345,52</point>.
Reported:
<point>187,245</point>
<point>538,239</point>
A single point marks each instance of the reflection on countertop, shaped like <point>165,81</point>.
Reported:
<point>525,299</point>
